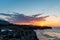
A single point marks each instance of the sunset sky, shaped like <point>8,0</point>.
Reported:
<point>26,9</point>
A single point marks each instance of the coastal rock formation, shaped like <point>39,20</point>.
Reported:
<point>18,32</point>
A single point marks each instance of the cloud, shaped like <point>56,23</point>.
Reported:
<point>21,18</point>
<point>5,14</point>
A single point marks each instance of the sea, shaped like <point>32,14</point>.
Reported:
<point>48,34</point>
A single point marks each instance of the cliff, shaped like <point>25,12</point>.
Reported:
<point>19,32</point>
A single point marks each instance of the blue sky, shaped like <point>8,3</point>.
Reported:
<point>31,7</point>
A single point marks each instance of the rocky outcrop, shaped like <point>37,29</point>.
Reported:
<point>3,22</point>
<point>17,34</point>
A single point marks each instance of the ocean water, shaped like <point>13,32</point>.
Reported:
<point>49,34</point>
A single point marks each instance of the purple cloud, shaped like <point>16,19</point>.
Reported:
<point>16,17</point>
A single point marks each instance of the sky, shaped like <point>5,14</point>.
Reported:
<point>32,7</point>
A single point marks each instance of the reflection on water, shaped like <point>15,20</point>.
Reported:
<point>49,34</point>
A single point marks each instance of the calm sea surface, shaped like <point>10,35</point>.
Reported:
<point>49,34</point>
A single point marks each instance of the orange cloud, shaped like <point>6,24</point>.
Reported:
<point>50,21</point>
<point>22,19</point>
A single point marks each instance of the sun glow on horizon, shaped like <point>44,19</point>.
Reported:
<point>50,21</point>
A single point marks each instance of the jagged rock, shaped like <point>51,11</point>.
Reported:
<point>3,22</point>
<point>21,34</point>
<point>18,32</point>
